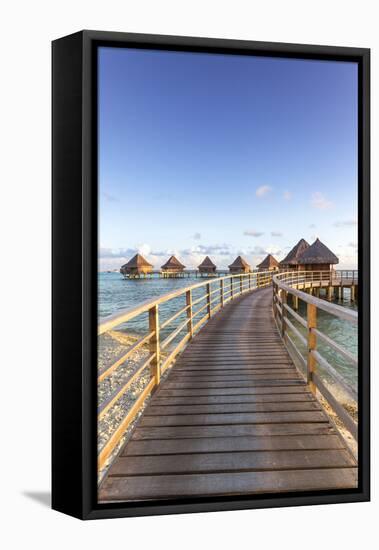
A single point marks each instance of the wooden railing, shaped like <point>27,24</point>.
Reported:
<point>287,285</point>
<point>348,275</point>
<point>333,277</point>
<point>191,308</point>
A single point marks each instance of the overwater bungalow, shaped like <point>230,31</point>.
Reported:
<point>207,267</point>
<point>173,268</point>
<point>268,264</point>
<point>136,267</point>
<point>317,257</point>
<point>291,260</point>
<point>239,266</point>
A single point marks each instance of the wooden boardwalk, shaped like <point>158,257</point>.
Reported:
<point>233,417</point>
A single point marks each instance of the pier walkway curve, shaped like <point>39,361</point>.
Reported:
<point>234,416</point>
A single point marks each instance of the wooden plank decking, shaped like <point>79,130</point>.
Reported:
<point>232,417</point>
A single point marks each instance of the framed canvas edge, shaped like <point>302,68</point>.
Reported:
<point>84,497</point>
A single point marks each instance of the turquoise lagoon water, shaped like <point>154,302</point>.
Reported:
<point>116,293</point>
<point>342,332</point>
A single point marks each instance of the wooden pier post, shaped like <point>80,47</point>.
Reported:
<point>222,293</point>
<point>330,293</point>
<point>154,347</point>
<point>312,344</point>
<point>208,287</point>
<point>352,293</point>
<point>189,312</point>
<point>284,312</point>
<point>295,301</point>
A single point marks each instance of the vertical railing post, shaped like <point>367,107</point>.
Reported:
<point>284,312</point>
<point>240,284</point>
<point>312,345</point>
<point>231,287</point>
<point>275,301</point>
<point>208,287</point>
<point>154,346</point>
<point>222,293</point>
<point>249,281</point>
<point>189,312</point>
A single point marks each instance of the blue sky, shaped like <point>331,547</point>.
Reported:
<point>224,155</point>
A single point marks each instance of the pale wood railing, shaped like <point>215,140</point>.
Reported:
<point>287,284</point>
<point>334,277</point>
<point>199,303</point>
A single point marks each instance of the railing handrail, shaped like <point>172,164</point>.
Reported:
<point>333,309</point>
<point>111,321</point>
<point>281,289</point>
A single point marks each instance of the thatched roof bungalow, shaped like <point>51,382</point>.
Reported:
<point>317,257</point>
<point>173,265</point>
<point>207,266</point>
<point>291,260</point>
<point>239,266</point>
<point>268,264</point>
<point>136,266</point>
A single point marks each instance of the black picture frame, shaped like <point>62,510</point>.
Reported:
<point>74,272</point>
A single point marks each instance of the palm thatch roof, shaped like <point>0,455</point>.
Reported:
<point>318,253</point>
<point>239,263</point>
<point>207,263</point>
<point>294,254</point>
<point>173,263</point>
<point>136,262</point>
<point>268,263</point>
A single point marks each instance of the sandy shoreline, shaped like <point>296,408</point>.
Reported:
<point>111,346</point>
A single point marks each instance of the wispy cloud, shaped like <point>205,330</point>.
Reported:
<point>220,249</point>
<point>258,250</point>
<point>262,190</point>
<point>287,195</point>
<point>273,249</point>
<point>318,200</point>
<point>264,250</point>
<point>276,234</point>
<point>196,236</point>
<point>252,233</point>
<point>221,253</point>
<point>312,225</point>
<point>105,252</point>
<point>108,197</point>
<point>343,223</point>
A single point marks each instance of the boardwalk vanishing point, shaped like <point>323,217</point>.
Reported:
<point>234,414</point>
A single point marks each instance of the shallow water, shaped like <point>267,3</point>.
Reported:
<point>342,332</point>
<point>117,293</point>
